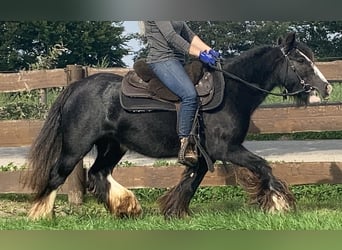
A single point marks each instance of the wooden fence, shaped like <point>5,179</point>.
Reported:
<point>282,119</point>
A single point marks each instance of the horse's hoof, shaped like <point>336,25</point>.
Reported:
<point>43,208</point>
<point>277,202</point>
<point>39,211</point>
<point>280,204</point>
<point>125,205</point>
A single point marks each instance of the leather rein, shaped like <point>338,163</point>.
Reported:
<point>306,87</point>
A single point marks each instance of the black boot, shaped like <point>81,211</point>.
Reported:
<point>187,155</point>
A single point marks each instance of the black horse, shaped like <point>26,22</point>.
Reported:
<point>89,113</point>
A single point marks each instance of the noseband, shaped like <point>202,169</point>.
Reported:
<point>306,87</point>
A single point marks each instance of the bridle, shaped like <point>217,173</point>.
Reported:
<point>307,88</point>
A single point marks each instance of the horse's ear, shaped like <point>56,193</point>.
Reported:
<point>290,40</point>
<point>279,41</point>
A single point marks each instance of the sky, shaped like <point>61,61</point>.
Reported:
<point>133,45</point>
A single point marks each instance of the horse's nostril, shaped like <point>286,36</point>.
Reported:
<point>329,89</point>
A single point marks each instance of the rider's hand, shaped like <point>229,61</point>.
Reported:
<point>215,54</point>
<point>207,58</point>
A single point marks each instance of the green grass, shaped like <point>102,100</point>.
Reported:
<point>215,208</point>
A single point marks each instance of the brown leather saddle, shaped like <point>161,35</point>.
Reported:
<point>142,91</point>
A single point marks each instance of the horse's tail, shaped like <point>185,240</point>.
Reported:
<point>46,149</point>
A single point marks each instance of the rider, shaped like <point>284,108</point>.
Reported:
<point>168,43</point>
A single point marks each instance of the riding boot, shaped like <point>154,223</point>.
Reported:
<point>187,155</point>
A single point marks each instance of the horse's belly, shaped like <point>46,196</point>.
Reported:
<point>157,146</point>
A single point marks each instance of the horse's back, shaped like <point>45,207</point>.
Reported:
<point>101,81</point>
<point>87,102</point>
<point>100,85</point>
<point>109,77</point>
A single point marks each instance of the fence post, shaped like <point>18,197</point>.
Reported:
<point>76,180</point>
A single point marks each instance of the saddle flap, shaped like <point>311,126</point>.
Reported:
<point>205,88</point>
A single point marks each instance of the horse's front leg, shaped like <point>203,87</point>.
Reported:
<point>175,202</point>
<point>270,193</point>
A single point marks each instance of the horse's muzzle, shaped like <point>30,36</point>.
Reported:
<point>315,95</point>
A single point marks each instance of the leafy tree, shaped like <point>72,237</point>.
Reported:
<point>324,37</point>
<point>9,58</point>
<point>87,43</point>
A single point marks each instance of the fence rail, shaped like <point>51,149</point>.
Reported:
<point>265,120</point>
<point>39,79</point>
<point>293,173</point>
<point>282,119</point>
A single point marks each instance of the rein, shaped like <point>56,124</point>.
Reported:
<point>306,87</point>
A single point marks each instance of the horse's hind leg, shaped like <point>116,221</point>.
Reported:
<point>175,203</point>
<point>44,200</point>
<point>119,200</point>
<point>263,187</point>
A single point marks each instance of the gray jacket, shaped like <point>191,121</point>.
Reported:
<point>167,39</point>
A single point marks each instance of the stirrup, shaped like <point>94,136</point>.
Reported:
<point>187,154</point>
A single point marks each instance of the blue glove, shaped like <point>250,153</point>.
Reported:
<point>207,58</point>
<point>215,54</point>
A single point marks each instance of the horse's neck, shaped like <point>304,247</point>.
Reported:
<point>257,66</point>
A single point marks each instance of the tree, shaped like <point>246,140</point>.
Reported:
<point>9,59</point>
<point>323,37</point>
<point>87,43</point>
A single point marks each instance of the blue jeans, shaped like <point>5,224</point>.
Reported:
<point>174,77</point>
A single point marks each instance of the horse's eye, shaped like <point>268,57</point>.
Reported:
<point>301,60</point>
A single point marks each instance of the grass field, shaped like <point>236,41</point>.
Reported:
<point>214,208</point>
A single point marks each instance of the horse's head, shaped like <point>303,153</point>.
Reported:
<point>301,73</point>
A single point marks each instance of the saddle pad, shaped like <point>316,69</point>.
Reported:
<point>136,104</point>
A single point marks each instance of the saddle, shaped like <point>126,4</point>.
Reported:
<point>142,91</point>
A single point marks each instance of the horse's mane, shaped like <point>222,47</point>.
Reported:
<point>250,63</point>
<point>246,56</point>
<point>306,50</point>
